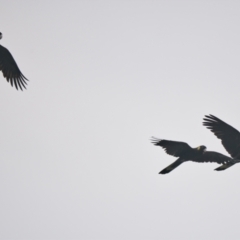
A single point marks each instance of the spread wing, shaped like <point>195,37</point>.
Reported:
<point>10,69</point>
<point>172,147</point>
<point>230,136</point>
<point>209,156</point>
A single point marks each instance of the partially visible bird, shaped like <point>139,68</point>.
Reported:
<point>10,68</point>
<point>229,136</point>
<point>185,153</point>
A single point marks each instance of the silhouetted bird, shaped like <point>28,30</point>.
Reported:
<point>230,138</point>
<point>185,153</point>
<point>10,68</point>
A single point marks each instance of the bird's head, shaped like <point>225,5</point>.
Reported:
<point>202,148</point>
<point>0,35</point>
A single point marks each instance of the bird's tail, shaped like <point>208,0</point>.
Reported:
<point>171,166</point>
<point>224,166</point>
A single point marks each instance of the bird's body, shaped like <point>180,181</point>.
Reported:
<point>229,136</point>
<point>10,69</point>
<point>186,153</point>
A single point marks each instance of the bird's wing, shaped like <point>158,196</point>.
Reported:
<point>210,156</point>
<point>10,69</point>
<point>171,147</point>
<point>224,166</point>
<point>230,136</point>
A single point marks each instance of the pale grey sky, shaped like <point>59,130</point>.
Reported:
<point>76,161</point>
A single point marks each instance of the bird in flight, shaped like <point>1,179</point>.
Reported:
<point>10,69</point>
<point>186,153</point>
<point>229,136</point>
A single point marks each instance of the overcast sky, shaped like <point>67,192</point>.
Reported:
<point>76,161</point>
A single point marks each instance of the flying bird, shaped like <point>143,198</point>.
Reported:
<point>229,136</point>
<point>10,69</point>
<point>186,153</point>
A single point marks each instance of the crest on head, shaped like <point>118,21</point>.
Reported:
<point>202,148</point>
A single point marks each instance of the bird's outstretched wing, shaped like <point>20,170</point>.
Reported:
<point>10,69</point>
<point>210,156</point>
<point>230,136</point>
<point>171,147</point>
<point>224,167</point>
